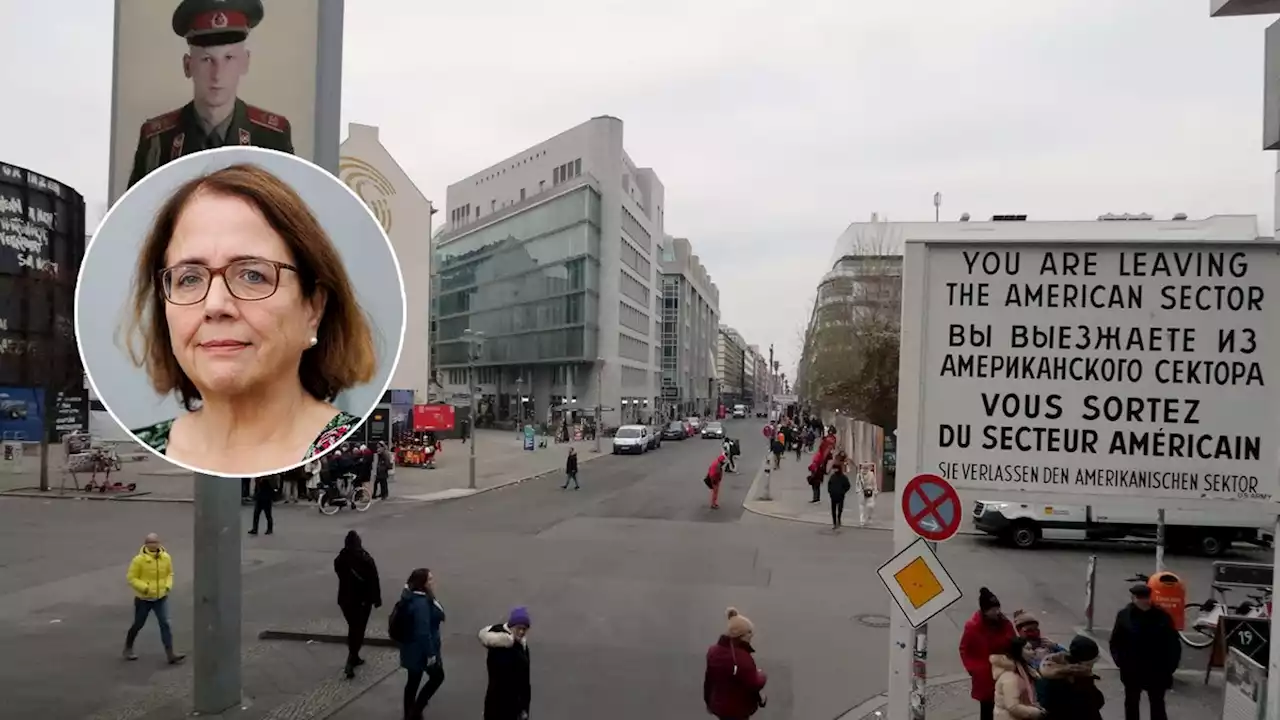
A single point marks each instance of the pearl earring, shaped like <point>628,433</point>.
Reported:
<point>314,340</point>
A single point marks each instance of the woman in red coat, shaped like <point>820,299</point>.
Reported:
<point>987,633</point>
<point>731,687</point>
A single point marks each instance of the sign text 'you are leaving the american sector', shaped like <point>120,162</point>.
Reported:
<point>1114,369</point>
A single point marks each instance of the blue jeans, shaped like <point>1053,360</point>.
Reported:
<point>142,608</point>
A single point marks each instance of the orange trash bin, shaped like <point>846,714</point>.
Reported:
<point>1168,592</point>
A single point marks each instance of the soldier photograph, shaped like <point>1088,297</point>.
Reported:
<point>217,59</point>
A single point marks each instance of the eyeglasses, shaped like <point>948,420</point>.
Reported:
<point>246,279</point>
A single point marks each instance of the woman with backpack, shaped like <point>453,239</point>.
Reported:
<point>415,626</point>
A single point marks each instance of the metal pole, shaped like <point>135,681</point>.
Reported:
<point>1273,662</point>
<point>599,403</point>
<point>471,420</point>
<point>1091,578</point>
<point>1160,540</point>
<point>770,387</point>
<point>919,662</point>
<point>216,623</point>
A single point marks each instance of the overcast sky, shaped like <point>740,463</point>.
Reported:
<point>772,124</point>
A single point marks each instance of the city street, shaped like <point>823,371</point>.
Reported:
<point>627,581</point>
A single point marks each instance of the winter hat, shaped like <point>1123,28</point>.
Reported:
<point>987,600</point>
<point>739,625</point>
<point>1141,590</point>
<point>1022,617</point>
<point>519,618</point>
<point>1082,649</point>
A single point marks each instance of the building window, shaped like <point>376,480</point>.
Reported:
<point>555,176</point>
<point>521,194</point>
<point>541,184</point>
<point>633,288</point>
<point>577,167</point>
<point>633,319</point>
<point>634,377</point>
<point>633,349</point>
<point>634,260</point>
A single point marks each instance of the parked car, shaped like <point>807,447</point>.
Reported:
<point>655,437</point>
<point>631,439</point>
<point>675,430</point>
<point>695,422</point>
<point>739,411</point>
<point>713,430</point>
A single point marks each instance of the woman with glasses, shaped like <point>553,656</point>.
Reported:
<point>243,309</point>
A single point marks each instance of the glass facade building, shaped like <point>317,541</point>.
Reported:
<point>530,282</point>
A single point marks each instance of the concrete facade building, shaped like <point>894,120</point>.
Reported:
<point>689,331</point>
<point>731,366</point>
<point>552,253</point>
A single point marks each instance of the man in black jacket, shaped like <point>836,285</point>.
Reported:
<point>1146,648</point>
<point>359,592</point>
<point>509,694</point>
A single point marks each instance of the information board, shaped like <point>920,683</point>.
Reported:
<point>1136,369</point>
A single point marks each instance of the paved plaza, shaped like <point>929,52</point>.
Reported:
<point>627,580</point>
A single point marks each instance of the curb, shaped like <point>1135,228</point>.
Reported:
<point>142,497</point>
<point>877,702</point>
<point>760,507</point>
<point>330,638</point>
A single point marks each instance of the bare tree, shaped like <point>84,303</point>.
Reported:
<point>852,344</point>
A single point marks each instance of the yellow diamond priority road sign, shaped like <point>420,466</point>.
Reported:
<point>918,583</point>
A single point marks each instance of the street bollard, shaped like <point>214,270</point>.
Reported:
<point>1090,578</point>
<point>765,492</point>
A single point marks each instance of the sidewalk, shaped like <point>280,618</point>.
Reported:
<point>948,699</point>
<point>789,487</point>
<point>500,461</point>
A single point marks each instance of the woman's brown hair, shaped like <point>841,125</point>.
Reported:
<point>343,355</point>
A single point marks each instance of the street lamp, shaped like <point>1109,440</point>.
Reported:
<point>475,347</point>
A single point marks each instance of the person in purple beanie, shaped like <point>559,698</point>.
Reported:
<point>509,694</point>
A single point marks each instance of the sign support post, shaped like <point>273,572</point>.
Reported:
<point>919,665</point>
<point>1273,661</point>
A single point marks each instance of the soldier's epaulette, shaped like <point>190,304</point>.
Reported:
<point>266,119</point>
<point>161,123</point>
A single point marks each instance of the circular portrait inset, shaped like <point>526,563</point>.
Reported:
<point>239,312</point>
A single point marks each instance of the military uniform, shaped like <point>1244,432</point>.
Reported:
<point>209,23</point>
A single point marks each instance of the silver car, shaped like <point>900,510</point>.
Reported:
<point>631,439</point>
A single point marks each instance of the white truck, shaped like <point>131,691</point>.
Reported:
<point>1207,532</point>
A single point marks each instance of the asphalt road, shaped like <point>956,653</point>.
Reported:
<point>627,581</point>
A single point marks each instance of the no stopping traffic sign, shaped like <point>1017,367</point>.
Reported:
<point>931,508</point>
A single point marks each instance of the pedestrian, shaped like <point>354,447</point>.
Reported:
<point>778,446</point>
<point>509,693</point>
<point>817,472</point>
<point>837,488</point>
<point>730,449</point>
<point>359,592</point>
<point>1068,687</point>
<point>421,615</point>
<point>151,577</point>
<point>1028,627</point>
<point>1015,684</point>
<point>985,634</point>
<point>571,470</point>
<point>1146,648</point>
<point>732,687</point>
<point>462,430</point>
<point>264,495</point>
<point>866,494</point>
<point>715,474</point>
<point>384,466</point>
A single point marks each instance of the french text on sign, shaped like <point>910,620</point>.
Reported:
<point>1131,368</point>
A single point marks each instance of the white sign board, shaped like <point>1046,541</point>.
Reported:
<point>1122,369</point>
<point>1244,694</point>
<point>918,583</point>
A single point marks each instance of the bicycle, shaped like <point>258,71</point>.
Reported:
<point>1202,619</point>
<point>331,499</point>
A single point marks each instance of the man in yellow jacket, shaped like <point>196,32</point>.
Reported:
<point>151,577</point>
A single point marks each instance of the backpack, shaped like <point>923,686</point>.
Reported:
<point>400,623</point>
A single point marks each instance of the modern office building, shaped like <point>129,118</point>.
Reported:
<point>552,254</point>
<point>690,331</point>
<point>731,366</point>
